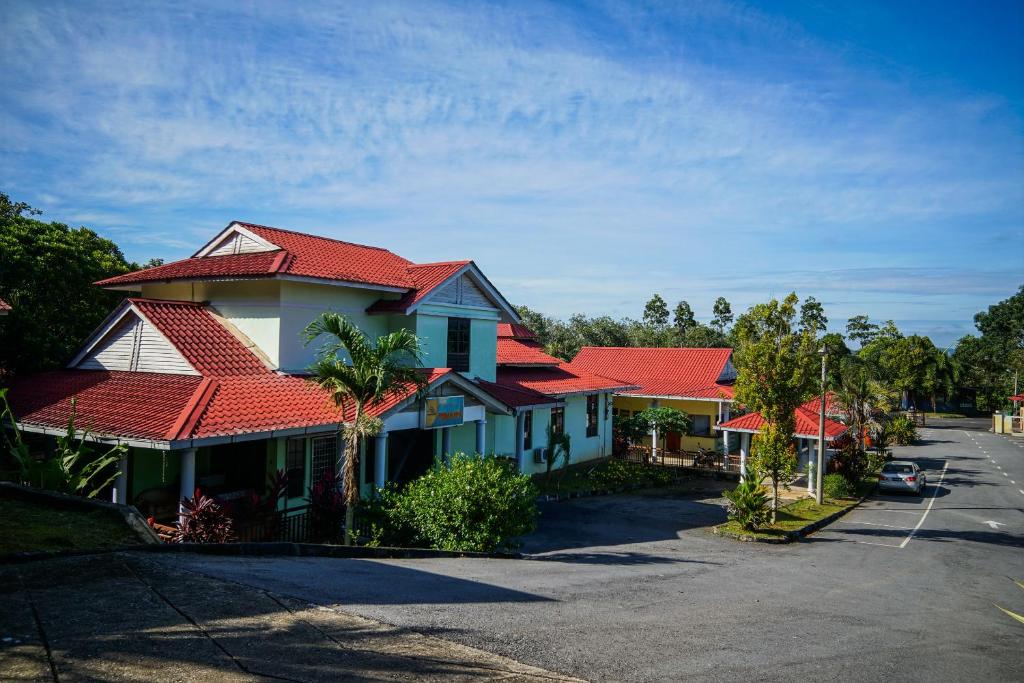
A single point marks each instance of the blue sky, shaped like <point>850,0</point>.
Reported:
<point>585,155</point>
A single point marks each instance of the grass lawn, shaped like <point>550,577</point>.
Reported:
<point>32,527</point>
<point>800,513</point>
<point>944,415</point>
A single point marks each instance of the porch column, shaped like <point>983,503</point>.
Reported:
<point>120,492</point>
<point>380,460</point>
<point>188,475</point>
<point>481,435</point>
<point>726,412</point>
<point>811,475</point>
<point>654,444</point>
<point>521,440</point>
<point>446,442</point>
<point>744,450</point>
<point>725,449</point>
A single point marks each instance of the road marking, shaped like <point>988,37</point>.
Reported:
<point>1004,473</point>
<point>890,526</point>
<point>884,545</point>
<point>931,502</point>
<point>1021,491</point>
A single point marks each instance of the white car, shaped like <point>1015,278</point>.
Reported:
<point>901,475</point>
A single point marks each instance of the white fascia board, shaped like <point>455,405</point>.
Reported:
<point>538,406</point>
<point>95,438</point>
<point>719,428</point>
<point>112,319</point>
<point>234,227</point>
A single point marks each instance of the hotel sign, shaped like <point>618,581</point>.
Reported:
<point>443,411</point>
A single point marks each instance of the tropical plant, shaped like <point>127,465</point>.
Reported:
<point>748,504</point>
<point>373,373</point>
<point>203,520</point>
<point>327,508</point>
<point>72,469</point>
<point>941,376</point>
<point>837,486</point>
<point>773,457</point>
<point>903,430</point>
<point>637,427</point>
<point>775,364</point>
<point>467,503</point>
<point>862,399</point>
<point>559,446</point>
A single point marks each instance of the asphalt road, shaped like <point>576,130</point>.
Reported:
<point>635,588</point>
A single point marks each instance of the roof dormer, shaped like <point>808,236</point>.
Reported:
<point>235,239</point>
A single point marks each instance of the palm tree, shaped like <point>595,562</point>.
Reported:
<point>861,397</point>
<point>374,373</point>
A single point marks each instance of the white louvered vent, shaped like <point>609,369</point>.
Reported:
<point>136,346</point>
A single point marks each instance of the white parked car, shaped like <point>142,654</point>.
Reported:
<point>902,475</point>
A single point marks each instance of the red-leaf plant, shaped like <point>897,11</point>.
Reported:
<point>203,520</point>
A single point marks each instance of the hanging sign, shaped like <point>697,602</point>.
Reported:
<point>443,411</point>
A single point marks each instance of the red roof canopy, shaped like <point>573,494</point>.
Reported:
<point>4,306</point>
<point>806,424</point>
<point>561,380</point>
<point>682,372</point>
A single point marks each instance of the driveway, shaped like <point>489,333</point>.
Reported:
<point>633,588</point>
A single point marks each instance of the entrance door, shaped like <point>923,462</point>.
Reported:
<point>410,454</point>
<point>672,441</point>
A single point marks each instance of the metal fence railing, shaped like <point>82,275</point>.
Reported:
<point>703,461</point>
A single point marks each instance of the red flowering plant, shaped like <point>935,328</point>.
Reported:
<point>203,520</point>
<point>327,508</point>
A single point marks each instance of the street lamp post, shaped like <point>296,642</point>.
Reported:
<point>818,495</point>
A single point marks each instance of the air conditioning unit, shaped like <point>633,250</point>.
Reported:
<point>540,456</point>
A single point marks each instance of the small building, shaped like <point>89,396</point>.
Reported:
<point>697,381</point>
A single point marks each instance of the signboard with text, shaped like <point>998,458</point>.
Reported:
<point>443,411</point>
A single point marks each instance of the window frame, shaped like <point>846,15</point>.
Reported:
<point>290,467</point>
<point>558,420</point>
<point>527,430</point>
<point>332,454</point>
<point>593,420</point>
<point>459,335</point>
<point>693,425</point>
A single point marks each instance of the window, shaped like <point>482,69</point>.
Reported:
<point>325,455</point>
<point>558,420</point>
<point>528,430</point>
<point>458,344</point>
<point>592,404</point>
<point>295,466</point>
<point>700,425</point>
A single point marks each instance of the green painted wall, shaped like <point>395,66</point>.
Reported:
<point>483,349</point>
<point>150,468</point>
<point>433,333</point>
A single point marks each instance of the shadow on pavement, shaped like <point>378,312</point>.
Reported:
<point>613,558</point>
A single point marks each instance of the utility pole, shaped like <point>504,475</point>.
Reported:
<point>818,494</point>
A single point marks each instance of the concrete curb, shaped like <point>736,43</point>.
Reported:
<point>592,493</point>
<point>789,536</point>
<point>317,550</point>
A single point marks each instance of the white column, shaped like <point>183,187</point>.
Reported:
<point>446,442</point>
<point>725,449</point>
<point>521,440</point>
<point>481,436</point>
<point>811,476</point>
<point>380,460</point>
<point>744,450</point>
<point>654,443</point>
<point>188,475</point>
<point>120,492</point>
<point>726,412</point>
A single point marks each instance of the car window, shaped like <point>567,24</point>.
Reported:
<point>898,469</point>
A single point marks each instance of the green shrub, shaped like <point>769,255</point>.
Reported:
<point>617,474</point>
<point>902,430</point>
<point>836,486</point>
<point>749,504</point>
<point>470,503</point>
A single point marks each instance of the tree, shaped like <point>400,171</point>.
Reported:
<point>861,330</point>
<point>901,363</point>
<point>683,320</point>
<point>775,365</point>
<point>940,377</point>
<point>656,313</point>
<point>723,314</point>
<point>47,272</point>
<point>993,363</point>
<point>374,373</point>
<point>861,397</point>
<point>812,317</point>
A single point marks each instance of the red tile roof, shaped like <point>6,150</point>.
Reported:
<point>561,380</point>
<point>690,373</point>
<point>140,405</point>
<point>806,424</point>
<point>1017,397</point>
<point>832,405</point>
<point>299,255</point>
<point>425,278</point>
<point>515,331</point>
<point>515,396</point>
<point>206,344</point>
<point>523,352</point>
<point>4,307</point>
<point>180,407</point>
